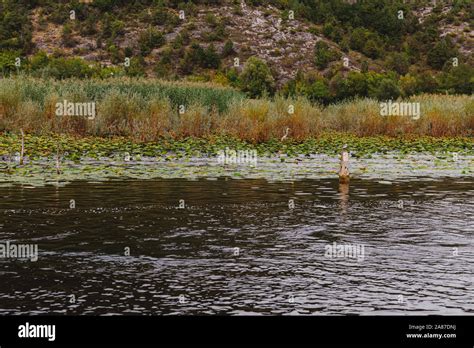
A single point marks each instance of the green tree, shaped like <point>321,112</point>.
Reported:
<point>441,53</point>
<point>426,83</point>
<point>228,49</point>
<point>210,58</point>
<point>160,16</point>
<point>387,89</point>
<point>338,87</point>
<point>136,68</point>
<point>311,85</point>
<point>328,29</point>
<point>358,39</point>
<point>256,78</point>
<point>318,91</point>
<point>62,68</point>
<point>357,84</point>
<point>67,37</point>
<point>15,27</point>
<point>323,55</point>
<point>408,85</point>
<point>150,39</point>
<point>117,28</point>
<point>39,61</point>
<point>398,62</point>
<point>116,55</point>
<point>7,61</point>
<point>459,79</point>
<point>371,49</point>
<point>232,76</point>
<point>197,56</point>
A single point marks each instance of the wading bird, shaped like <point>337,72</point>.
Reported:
<point>16,157</point>
<point>283,138</point>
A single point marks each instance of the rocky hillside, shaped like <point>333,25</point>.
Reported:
<point>284,39</point>
<point>287,45</point>
<point>310,47</point>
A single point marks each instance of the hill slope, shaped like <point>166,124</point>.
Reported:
<point>212,40</point>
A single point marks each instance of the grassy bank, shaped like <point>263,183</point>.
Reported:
<point>147,110</point>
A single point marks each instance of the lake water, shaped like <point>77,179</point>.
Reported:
<point>226,246</point>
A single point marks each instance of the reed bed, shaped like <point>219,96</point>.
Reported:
<point>148,110</point>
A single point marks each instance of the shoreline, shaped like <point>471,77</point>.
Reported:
<point>75,147</point>
<point>375,158</point>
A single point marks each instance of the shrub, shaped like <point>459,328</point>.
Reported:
<point>198,56</point>
<point>367,42</point>
<point>372,49</point>
<point>115,54</point>
<point>323,55</point>
<point>146,109</point>
<point>211,20</point>
<point>364,66</point>
<point>228,49</point>
<point>408,85</point>
<point>39,60</point>
<point>66,36</point>
<point>426,83</point>
<point>387,89</point>
<point>328,29</point>
<point>357,85</point>
<point>89,26</point>
<point>398,62</point>
<point>15,33</point>
<point>62,68</point>
<point>256,78</point>
<point>358,39</point>
<point>128,51</point>
<point>7,61</point>
<point>117,28</point>
<point>160,16</point>
<point>210,59</point>
<point>150,39</point>
<point>136,68</point>
<point>441,53</point>
<point>459,79</point>
<point>232,76</point>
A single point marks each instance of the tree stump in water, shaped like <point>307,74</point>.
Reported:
<point>344,168</point>
<point>58,161</point>
<point>22,153</point>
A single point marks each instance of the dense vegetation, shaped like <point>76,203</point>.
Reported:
<point>74,148</point>
<point>150,110</point>
<point>401,57</point>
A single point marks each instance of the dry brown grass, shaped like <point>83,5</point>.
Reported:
<point>148,117</point>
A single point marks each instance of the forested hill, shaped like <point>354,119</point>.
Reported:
<point>313,45</point>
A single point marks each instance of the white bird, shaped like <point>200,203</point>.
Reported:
<point>283,138</point>
<point>17,157</point>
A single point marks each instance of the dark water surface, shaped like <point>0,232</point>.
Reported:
<point>238,248</point>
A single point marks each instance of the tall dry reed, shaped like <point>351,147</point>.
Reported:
<point>147,110</point>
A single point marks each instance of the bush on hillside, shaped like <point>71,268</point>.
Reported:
<point>256,79</point>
